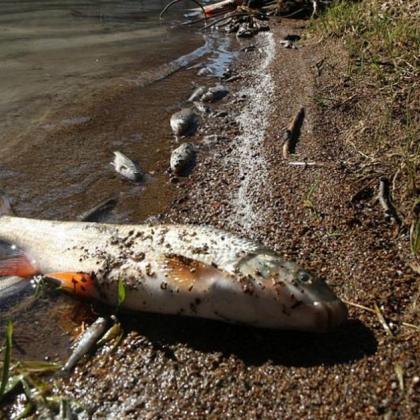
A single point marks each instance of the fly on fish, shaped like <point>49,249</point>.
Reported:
<point>174,269</point>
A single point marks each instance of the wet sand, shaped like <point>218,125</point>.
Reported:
<point>174,367</point>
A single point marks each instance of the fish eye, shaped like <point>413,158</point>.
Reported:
<point>305,277</point>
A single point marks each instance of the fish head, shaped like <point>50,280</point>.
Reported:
<point>292,296</point>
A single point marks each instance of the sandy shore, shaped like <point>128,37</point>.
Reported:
<point>173,367</point>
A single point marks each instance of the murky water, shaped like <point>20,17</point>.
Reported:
<point>80,79</point>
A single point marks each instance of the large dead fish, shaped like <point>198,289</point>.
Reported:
<point>186,270</point>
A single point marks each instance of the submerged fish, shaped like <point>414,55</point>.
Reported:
<point>183,157</point>
<point>126,167</point>
<point>184,122</point>
<point>175,269</point>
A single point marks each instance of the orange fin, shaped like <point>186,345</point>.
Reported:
<point>15,262</point>
<point>80,284</point>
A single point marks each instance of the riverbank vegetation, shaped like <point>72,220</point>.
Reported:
<point>382,90</point>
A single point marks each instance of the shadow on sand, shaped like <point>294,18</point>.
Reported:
<point>255,347</point>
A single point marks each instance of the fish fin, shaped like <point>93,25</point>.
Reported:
<point>80,284</point>
<point>5,206</point>
<point>15,262</point>
<point>184,272</point>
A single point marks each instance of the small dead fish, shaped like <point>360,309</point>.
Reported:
<point>205,71</point>
<point>197,94</point>
<point>215,93</point>
<point>184,122</point>
<point>183,157</point>
<point>96,213</point>
<point>126,167</point>
<point>202,108</point>
<point>287,43</point>
<point>87,342</point>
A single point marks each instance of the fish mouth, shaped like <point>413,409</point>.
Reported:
<point>329,315</point>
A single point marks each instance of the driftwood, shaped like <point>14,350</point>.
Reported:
<point>384,197</point>
<point>292,132</point>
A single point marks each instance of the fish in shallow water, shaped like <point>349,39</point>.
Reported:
<point>184,122</point>
<point>126,167</point>
<point>175,269</point>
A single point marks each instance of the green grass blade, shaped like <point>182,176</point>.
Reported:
<point>121,293</point>
<point>7,358</point>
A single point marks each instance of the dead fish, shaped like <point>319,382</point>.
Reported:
<point>187,270</point>
<point>215,93</point>
<point>184,122</point>
<point>97,213</point>
<point>10,287</point>
<point>288,44</point>
<point>183,157</point>
<point>126,167</point>
<point>205,71</point>
<point>87,342</point>
<point>202,108</point>
<point>197,94</point>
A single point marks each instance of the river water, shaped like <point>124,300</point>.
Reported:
<point>80,79</point>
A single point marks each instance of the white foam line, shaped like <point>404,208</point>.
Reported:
<point>248,154</point>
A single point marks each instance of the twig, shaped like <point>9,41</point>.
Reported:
<point>304,164</point>
<point>177,1</point>
<point>365,308</point>
<point>384,198</point>
<point>382,320</point>
<point>367,185</point>
<point>231,15</point>
<point>290,133</point>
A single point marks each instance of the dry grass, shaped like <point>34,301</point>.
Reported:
<point>383,41</point>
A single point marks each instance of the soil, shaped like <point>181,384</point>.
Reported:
<point>319,215</point>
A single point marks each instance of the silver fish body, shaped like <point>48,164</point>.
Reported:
<point>175,269</point>
<point>184,122</point>
<point>87,342</point>
<point>197,94</point>
<point>215,93</point>
<point>182,158</point>
<point>126,167</point>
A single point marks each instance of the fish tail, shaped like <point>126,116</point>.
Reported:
<point>5,206</point>
<point>15,262</point>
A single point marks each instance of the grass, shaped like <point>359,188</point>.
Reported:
<point>26,377</point>
<point>6,362</point>
<point>382,39</point>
